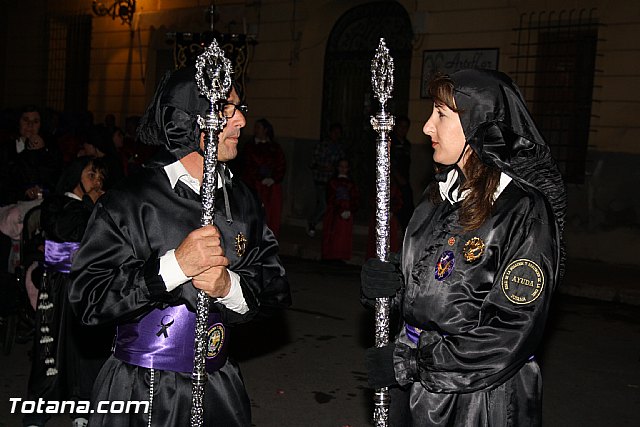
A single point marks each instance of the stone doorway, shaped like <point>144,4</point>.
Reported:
<point>347,92</point>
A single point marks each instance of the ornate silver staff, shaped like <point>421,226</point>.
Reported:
<point>213,75</point>
<point>382,82</point>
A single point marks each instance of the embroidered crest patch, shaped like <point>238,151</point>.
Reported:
<point>445,265</point>
<point>522,281</point>
<point>215,338</point>
<point>240,244</point>
<point>473,249</point>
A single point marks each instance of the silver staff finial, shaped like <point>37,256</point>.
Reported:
<point>213,76</point>
<point>382,73</point>
<point>213,73</point>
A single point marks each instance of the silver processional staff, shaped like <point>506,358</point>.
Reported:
<point>382,122</point>
<point>213,76</point>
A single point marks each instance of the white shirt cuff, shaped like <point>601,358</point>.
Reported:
<point>235,299</point>
<point>173,276</point>
<point>171,272</point>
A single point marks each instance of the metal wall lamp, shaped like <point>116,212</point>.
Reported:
<point>123,9</point>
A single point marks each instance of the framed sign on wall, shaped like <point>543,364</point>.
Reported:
<point>450,60</point>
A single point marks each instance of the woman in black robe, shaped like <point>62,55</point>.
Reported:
<point>67,356</point>
<point>481,258</point>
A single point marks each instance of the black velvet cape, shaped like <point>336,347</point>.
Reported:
<point>116,281</point>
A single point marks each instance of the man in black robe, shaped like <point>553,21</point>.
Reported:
<point>145,255</point>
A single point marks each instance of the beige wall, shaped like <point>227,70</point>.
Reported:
<point>616,94</point>
<point>285,71</point>
<point>285,75</point>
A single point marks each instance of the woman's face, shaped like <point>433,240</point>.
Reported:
<point>447,136</point>
<point>29,124</point>
<point>118,139</point>
<point>259,131</point>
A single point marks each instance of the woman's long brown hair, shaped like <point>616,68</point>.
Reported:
<point>481,179</point>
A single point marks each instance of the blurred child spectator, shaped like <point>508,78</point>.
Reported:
<point>99,144</point>
<point>337,227</point>
<point>323,165</point>
<point>66,356</point>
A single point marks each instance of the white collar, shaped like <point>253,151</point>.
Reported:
<point>73,195</point>
<point>177,172</point>
<point>504,181</point>
<point>452,177</point>
<point>446,188</point>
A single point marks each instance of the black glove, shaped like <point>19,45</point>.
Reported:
<point>379,364</point>
<point>36,276</point>
<point>380,279</point>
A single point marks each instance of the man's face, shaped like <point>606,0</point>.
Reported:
<point>335,134</point>
<point>90,150</point>
<point>228,137</point>
<point>343,167</point>
<point>29,124</point>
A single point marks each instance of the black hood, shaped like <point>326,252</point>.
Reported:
<point>500,129</point>
<point>494,117</point>
<point>170,121</point>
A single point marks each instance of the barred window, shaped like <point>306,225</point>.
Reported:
<point>555,67</point>
<point>69,47</point>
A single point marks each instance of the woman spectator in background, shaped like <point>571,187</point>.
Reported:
<point>37,166</point>
<point>263,166</point>
<point>117,136</point>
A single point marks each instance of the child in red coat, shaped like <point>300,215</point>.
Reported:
<point>337,228</point>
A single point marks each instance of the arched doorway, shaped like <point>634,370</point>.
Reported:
<point>347,92</point>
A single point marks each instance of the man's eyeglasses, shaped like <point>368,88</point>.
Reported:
<point>229,109</point>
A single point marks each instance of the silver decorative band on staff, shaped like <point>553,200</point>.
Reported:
<point>213,75</point>
<point>382,122</point>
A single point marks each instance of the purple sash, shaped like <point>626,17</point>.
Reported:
<point>413,334</point>
<point>164,339</point>
<point>58,256</point>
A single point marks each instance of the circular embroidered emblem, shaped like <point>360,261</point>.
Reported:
<point>445,265</point>
<point>215,338</point>
<point>473,249</point>
<point>451,241</point>
<point>522,281</point>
